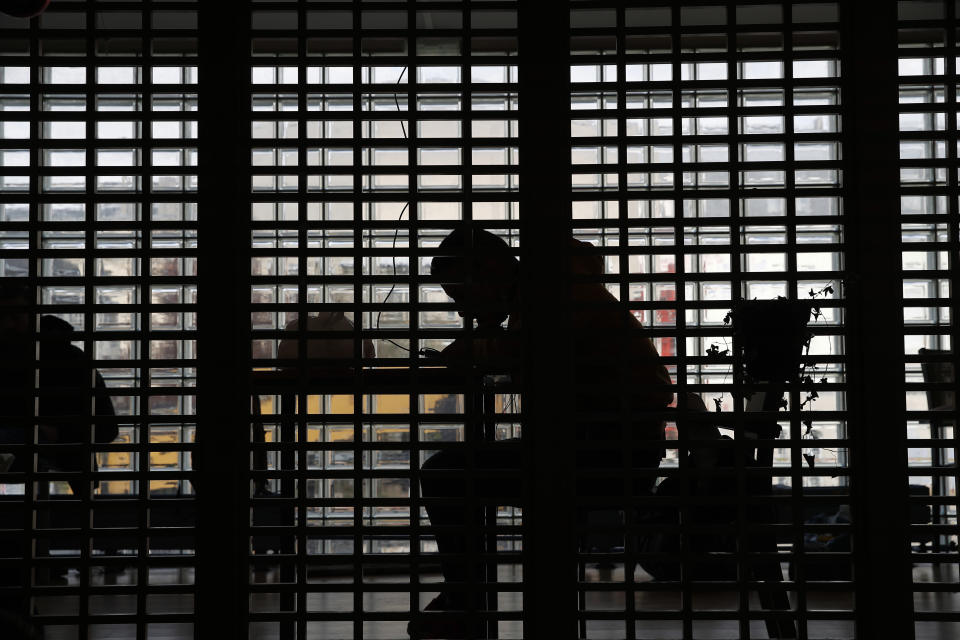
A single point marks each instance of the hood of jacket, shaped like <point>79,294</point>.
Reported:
<point>585,259</point>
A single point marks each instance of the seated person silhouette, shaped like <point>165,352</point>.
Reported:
<point>616,368</point>
<point>70,396</point>
<point>325,356</point>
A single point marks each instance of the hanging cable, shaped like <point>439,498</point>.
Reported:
<point>427,352</point>
<point>396,232</point>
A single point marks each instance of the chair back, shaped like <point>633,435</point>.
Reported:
<point>939,372</point>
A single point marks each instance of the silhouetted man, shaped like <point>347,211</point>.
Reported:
<point>50,395</point>
<point>616,369</point>
<point>66,406</point>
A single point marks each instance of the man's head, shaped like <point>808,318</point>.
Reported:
<point>479,271</point>
<point>16,299</point>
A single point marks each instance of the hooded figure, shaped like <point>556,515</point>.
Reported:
<point>64,408</point>
<point>325,348</point>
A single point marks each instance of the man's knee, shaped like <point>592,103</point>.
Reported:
<point>442,484</point>
<point>443,460</point>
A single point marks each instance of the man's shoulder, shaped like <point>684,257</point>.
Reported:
<point>54,327</point>
<point>55,340</point>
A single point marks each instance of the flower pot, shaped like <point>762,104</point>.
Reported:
<point>771,335</point>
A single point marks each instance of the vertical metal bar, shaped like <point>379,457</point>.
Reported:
<point>359,253</point>
<point>793,433</point>
<point>623,231</point>
<point>299,520</point>
<point>768,571</point>
<point>292,408</point>
<point>487,411</point>
<point>878,442</point>
<point>684,511</point>
<point>89,259</point>
<point>549,543</point>
<point>223,412</point>
<point>942,483</point>
<point>35,244</point>
<point>143,423</point>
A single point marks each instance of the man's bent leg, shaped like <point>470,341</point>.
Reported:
<point>446,478</point>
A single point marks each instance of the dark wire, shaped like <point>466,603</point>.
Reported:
<point>396,232</point>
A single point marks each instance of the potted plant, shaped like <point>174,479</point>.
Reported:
<point>771,336</point>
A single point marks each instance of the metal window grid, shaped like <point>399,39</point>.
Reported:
<point>927,69</point>
<point>98,198</point>
<point>714,151</point>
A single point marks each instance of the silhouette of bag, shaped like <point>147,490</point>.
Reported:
<point>321,348</point>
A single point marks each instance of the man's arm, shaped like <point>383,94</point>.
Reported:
<point>495,350</point>
<point>104,430</point>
